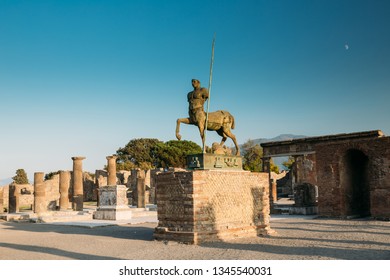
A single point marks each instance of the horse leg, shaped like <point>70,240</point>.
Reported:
<point>229,134</point>
<point>201,131</point>
<point>183,120</point>
<point>223,135</point>
<point>223,140</point>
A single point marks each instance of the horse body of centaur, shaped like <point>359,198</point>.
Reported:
<point>220,121</point>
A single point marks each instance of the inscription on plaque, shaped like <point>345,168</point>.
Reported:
<point>212,161</point>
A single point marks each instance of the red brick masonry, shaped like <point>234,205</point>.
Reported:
<point>212,205</point>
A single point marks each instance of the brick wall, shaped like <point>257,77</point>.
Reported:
<point>210,205</point>
<point>332,171</point>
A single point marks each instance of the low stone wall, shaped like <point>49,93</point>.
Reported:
<point>20,196</point>
<point>211,205</point>
<point>52,192</point>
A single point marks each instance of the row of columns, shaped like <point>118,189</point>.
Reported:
<point>112,180</point>
<point>64,185</point>
<point>40,204</point>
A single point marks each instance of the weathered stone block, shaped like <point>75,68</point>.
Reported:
<point>112,204</point>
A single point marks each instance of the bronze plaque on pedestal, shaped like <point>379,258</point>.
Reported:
<point>213,161</point>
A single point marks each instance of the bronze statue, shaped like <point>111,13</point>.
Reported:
<point>219,121</point>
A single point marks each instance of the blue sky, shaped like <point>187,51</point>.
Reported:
<point>85,77</point>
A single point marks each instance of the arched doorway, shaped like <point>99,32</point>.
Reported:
<point>355,185</point>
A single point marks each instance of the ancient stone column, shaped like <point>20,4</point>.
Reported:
<point>266,164</point>
<point>64,189</point>
<point>274,192</point>
<point>39,193</point>
<point>78,191</point>
<point>13,199</point>
<point>1,200</point>
<point>111,168</point>
<point>140,192</point>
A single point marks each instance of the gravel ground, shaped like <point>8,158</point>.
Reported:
<point>298,238</point>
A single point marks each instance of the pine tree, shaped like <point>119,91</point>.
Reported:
<point>20,177</point>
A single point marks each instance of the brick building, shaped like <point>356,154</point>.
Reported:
<point>351,171</point>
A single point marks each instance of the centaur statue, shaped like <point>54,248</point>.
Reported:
<point>219,121</point>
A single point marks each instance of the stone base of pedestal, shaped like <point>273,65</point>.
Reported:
<point>107,213</point>
<point>211,205</point>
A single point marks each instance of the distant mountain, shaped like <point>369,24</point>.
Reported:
<point>281,137</point>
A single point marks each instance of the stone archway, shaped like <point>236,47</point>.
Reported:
<point>355,184</point>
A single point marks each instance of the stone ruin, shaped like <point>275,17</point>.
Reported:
<point>349,172</point>
<point>67,191</point>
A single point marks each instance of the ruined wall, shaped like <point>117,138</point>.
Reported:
<point>1,200</point>
<point>20,196</point>
<point>210,205</point>
<point>89,187</point>
<point>5,195</point>
<point>332,171</point>
<point>305,169</point>
<point>52,192</point>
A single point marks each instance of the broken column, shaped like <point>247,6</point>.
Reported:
<point>39,193</point>
<point>64,189</point>
<point>111,169</point>
<point>140,201</point>
<point>13,199</point>
<point>77,178</point>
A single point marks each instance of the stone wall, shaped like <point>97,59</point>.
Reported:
<point>210,205</point>
<point>5,195</point>
<point>20,196</point>
<point>52,192</point>
<point>2,200</point>
<point>89,187</point>
<point>351,171</point>
<point>334,180</point>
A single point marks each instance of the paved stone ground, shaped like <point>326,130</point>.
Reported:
<point>298,238</point>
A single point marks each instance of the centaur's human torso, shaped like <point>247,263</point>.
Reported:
<point>196,100</point>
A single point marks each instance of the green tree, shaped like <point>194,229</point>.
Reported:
<point>20,177</point>
<point>50,175</point>
<point>273,166</point>
<point>289,163</point>
<point>173,153</point>
<point>252,158</point>
<point>138,153</point>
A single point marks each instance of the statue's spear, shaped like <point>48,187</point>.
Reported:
<point>209,90</point>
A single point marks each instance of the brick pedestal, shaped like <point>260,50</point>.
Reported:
<point>212,205</point>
